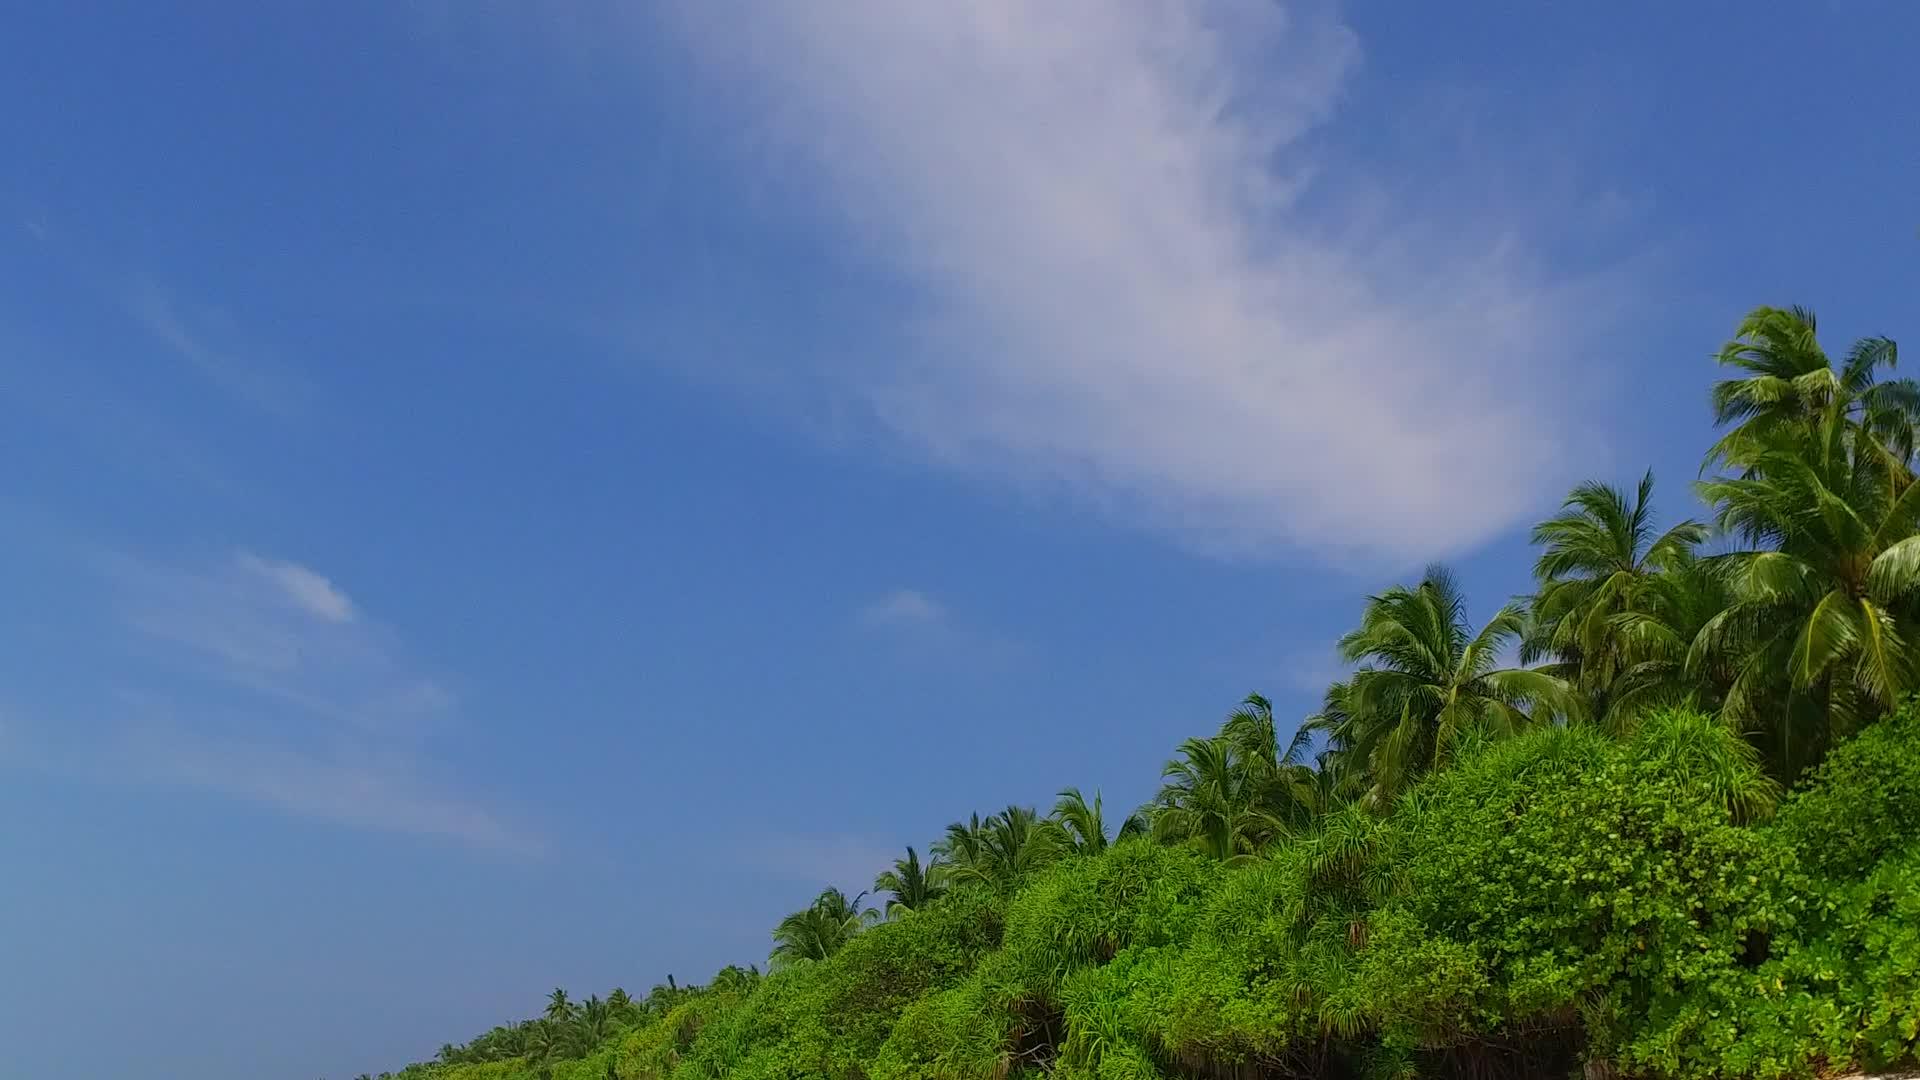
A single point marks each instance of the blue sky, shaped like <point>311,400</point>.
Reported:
<point>500,499</point>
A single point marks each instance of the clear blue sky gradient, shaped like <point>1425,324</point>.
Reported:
<point>426,586</point>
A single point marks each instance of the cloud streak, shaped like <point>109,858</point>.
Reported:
<point>261,679</point>
<point>903,607</point>
<point>1142,281</point>
<point>349,790</point>
<point>282,632</point>
<point>248,380</point>
<point>306,590</point>
<point>922,629</point>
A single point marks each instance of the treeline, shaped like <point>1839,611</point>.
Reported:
<point>1680,839</point>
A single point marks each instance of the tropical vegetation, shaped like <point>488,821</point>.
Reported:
<point>1660,817</point>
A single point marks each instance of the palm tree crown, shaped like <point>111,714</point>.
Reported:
<point>1829,596</point>
<point>1234,793</point>
<point>1426,681</point>
<point>999,849</point>
<point>1789,385</point>
<point>1600,558</point>
<point>912,885</point>
<point>820,929</point>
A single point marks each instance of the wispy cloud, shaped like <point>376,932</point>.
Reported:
<point>206,345</point>
<point>903,607</point>
<point>283,632</point>
<point>922,630</point>
<point>311,593</point>
<point>356,790</point>
<point>1142,277</point>
<point>261,679</point>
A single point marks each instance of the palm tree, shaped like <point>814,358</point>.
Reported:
<point>964,845</point>
<point>1821,632</point>
<point>1789,385</point>
<point>820,929</point>
<point>1233,794</point>
<point>547,1040</point>
<point>1211,801</point>
<point>912,885</point>
<point>998,850</point>
<point>1283,783</point>
<point>734,979</point>
<point>664,996</point>
<point>1081,828</point>
<point>596,1021</point>
<point>517,1040</point>
<point>559,1009</point>
<point>1655,638</point>
<point>1599,559</point>
<point>1425,681</point>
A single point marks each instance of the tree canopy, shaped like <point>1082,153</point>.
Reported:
<point>1659,817</point>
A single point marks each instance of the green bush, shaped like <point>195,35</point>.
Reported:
<point>983,1028</point>
<point>487,1070</point>
<point>653,1050</point>
<point>1085,911</point>
<point>1560,897</point>
<point>598,1065</point>
<point>829,1018</point>
<point>1863,804</point>
<point>1849,982</point>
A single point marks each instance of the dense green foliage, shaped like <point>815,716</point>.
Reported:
<point>1681,840</point>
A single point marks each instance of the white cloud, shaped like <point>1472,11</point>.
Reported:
<point>249,379</point>
<point>903,606</point>
<point>281,632</point>
<point>365,792</point>
<point>305,589</point>
<point>260,679</point>
<point>1139,280</point>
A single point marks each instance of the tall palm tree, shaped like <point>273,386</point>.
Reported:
<point>1211,801</point>
<point>912,885</point>
<point>1600,557</point>
<point>964,845</point>
<point>1822,632</point>
<point>664,996</point>
<point>547,1040</point>
<point>559,1009</point>
<point>517,1040</point>
<point>998,850</point>
<point>820,929</point>
<point>1656,636</point>
<point>595,1020</point>
<point>1789,385</point>
<point>1282,782</point>
<point>1341,772</point>
<point>1426,680</point>
<point>1081,827</point>
<point>734,979</point>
